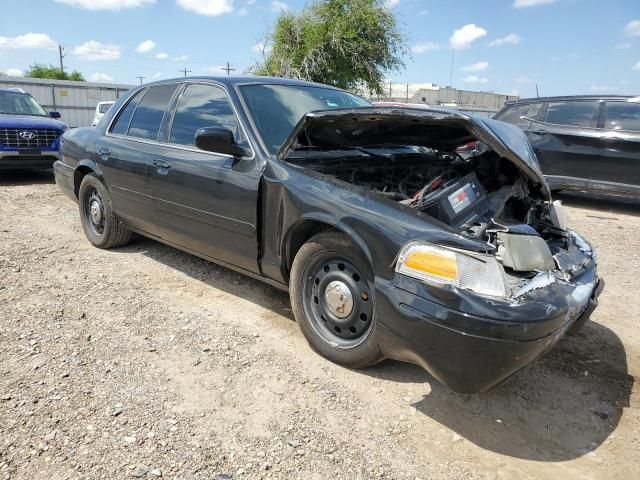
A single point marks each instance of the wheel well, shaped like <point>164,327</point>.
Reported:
<point>300,235</point>
<point>78,175</point>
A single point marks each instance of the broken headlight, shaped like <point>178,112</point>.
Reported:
<point>438,266</point>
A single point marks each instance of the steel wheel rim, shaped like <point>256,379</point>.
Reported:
<point>345,327</point>
<point>93,209</point>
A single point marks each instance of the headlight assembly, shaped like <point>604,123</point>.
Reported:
<point>443,266</point>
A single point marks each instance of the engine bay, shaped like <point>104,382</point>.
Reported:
<point>482,196</point>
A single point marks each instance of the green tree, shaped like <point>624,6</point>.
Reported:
<point>40,70</point>
<point>350,44</point>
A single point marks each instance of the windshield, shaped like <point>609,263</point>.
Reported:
<point>276,109</point>
<point>103,107</point>
<point>20,104</point>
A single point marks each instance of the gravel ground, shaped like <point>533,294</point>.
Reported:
<point>145,362</point>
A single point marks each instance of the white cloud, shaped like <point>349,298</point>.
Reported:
<point>475,79</point>
<point>622,46</point>
<point>162,56</point>
<point>106,4</point>
<point>636,67</point>
<point>391,3</point>
<point>511,39</point>
<point>261,47</point>
<point>156,75</point>
<point>100,77</point>
<point>210,8</point>
<point>29,40</point>
<point>465,36</point>
<point>243,11</point>
<point>425,47</point>
<point>14,72</point>
<point>531,3</point>
<point>278,6</point>
<point>476,67</point>
<point>523,79</point>
<point>632,29</point>
<point>93,50</point>
<point>180,58</point>
<point>146,46</point>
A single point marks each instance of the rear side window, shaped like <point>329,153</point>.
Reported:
<point>575,114</point>
<point>514,114</point>
<point>124,118</point>
<point>622,116</point>
<point>202,106</point>
<point>148,116</point>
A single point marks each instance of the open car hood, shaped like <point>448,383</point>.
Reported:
<point>440,129</point>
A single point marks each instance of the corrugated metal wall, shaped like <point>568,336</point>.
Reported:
<point>76,101</point>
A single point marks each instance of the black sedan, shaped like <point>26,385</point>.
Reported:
<point>589,143</point>
<point>390,243</point>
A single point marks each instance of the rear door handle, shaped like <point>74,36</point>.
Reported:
<point>161,163</point>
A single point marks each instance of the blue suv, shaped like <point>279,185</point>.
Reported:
<point>29,135</point>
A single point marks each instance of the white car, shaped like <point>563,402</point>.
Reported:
<point>101,109</point>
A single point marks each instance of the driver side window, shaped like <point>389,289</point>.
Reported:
<point>203,106</point>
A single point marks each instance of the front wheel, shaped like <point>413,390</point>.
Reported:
<point>333,301</point>
<point>101,225</point>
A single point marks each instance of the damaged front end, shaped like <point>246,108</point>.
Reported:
<point>497,195</point>
<point>502,280</point>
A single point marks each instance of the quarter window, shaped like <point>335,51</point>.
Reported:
<point>622,116</point>
<point>202,106</point>
<point>148,116</point>
<point>124,118</point>
<point>514,114</point>
<point>575,114</point>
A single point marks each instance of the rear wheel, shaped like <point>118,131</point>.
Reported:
<point>332,298</point>
<point>101,225</point>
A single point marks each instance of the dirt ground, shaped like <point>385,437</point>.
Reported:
<point>143,362</point>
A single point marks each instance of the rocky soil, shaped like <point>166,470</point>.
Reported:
<point>145,362</point>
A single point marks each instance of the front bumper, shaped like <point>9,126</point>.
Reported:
<point>16,160</point>
<point>471,344</point>
<point>64,175</point>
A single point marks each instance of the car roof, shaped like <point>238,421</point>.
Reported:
<point>14,90</point>
<point>569,97</point>
<point>244,80</point>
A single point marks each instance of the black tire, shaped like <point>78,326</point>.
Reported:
<point>107,231</point>
<point>327,259</point>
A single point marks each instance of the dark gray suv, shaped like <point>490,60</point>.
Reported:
<point>583,142</point>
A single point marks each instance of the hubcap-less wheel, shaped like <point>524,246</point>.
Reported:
<point>94,211</point>
<point>337,300</point>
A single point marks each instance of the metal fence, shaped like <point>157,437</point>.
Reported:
<point>76,101</point>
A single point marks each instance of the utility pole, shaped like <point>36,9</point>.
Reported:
<point>140,78</point>
<point>185,71</point>
<point>228,68</point>
<point>60,50</point>
<point>537,93</point>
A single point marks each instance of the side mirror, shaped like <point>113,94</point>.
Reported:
<point>54,114</point>
<point>219,140</point>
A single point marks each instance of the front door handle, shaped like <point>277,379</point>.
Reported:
<point>161,163</point>
<point>104,151</point>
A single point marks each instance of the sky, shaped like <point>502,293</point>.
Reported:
<point>506,46</point>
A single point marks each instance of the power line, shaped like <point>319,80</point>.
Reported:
<point>140,78</point>
<point>185,71</point>
<point>228,68</point>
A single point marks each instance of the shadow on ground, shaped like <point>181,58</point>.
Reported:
<point>551,411</point>
<point>12,178</point>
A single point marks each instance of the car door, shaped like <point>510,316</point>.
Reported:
<point>207,202</point>
<point>564,142</point>
<point>618,165</point>
<point>123,154</point>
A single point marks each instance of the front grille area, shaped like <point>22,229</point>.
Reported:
<point>10,137</point>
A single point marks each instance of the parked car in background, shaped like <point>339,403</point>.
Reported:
<point>389,243</point>
<point>101,109</point>
<point>589,143</point>
<point>29,135</point>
